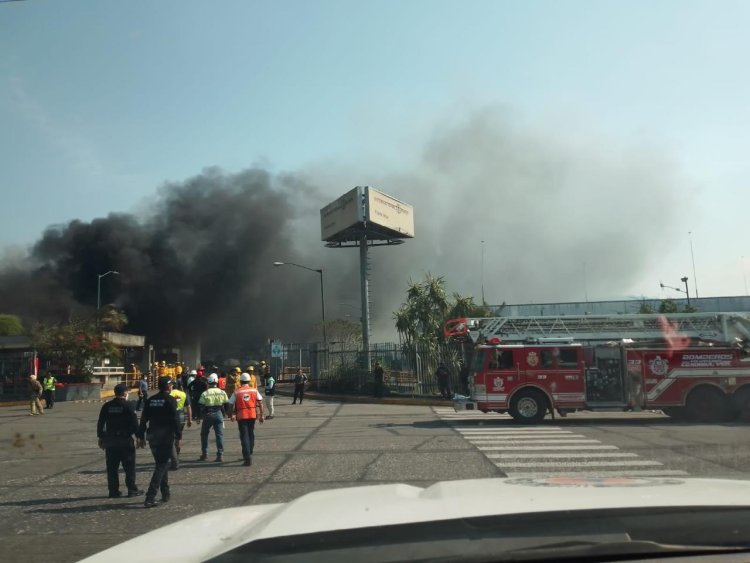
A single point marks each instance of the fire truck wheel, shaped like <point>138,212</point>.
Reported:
<point>677,413</point>
<point>528,406</point>
<point>706,404</point>
<point>739,402</point>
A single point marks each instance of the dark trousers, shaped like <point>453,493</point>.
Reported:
<point>160,478</point>
<point>49,398</point>
<point>445,388</point>
<point>116,456</point>
<point>299,391</point>
<point>174,458</point>
<point>141,401</point>
<point>378,388</point>
<point>247,436</point>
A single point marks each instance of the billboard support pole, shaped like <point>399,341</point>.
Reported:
<point>365,295</point>
<point>364,284</point>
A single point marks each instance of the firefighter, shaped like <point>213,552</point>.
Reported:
<point>253,377</point>
<point>212,401</point>
<point>184,414</point>
<point>233,381</point>
<point>48,384</point>
<point>248,407</point>
<point>35,392</point>
<point>115,429</point>
<point>265,372</point>
<point>160,415</point>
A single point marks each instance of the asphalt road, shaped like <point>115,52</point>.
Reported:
<point>53,485</point>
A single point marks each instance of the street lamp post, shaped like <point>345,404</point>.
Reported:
<point>684,280</point>
<point>686,291</point>
<point>322,298</point>
<point>99,287</point>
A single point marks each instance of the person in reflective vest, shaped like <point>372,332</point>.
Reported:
<point>270,392</point>
<point>48,384</point>
<point>183,413</point>
<point>212,401</point>
<point>247,403</point>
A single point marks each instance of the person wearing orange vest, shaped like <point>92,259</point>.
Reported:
<point>247,404</point>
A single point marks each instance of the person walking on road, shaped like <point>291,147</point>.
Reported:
<point>248,407</point>
<point>270,392</point>
<point>212,402</point>
<point>233,381</point>
<point>443,379</point>
<point>299,386</point>
<point>142,392</point>
<point>115,430</point>
<point>48,385</point>
<point>196,388</point>
<point>378,380</point>
<point>184,415</point>
<point>161,427</point>
<point>35,393</point>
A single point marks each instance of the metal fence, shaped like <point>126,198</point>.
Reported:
<point>409,370</point>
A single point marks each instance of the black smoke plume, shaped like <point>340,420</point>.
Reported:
<point>198,267</point>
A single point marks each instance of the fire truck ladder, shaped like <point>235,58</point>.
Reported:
<point>723,328</point>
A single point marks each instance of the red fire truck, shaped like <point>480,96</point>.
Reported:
<point>695,366</point>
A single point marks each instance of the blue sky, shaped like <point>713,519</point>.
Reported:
<point>103,101</point>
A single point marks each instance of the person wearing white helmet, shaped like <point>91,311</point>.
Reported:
<point>247,405</point>
<point>212,402</point>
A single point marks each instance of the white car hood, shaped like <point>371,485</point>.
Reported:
<point>361,507</point>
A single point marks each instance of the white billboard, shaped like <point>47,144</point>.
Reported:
<point>390,213</point>
<point>342,214</point>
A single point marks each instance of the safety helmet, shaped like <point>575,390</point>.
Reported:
<point>213,378</point>
<point>237,369</point>
<point>250,368</point>
<point>262,362</point>
<point>193,372</point>
<point>245,377</point>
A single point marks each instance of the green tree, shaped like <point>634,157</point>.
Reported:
<point>646,309</point>
<point>77,343</point>
<point>10,325</point>
<point>421,318</point>
<point>341,331</point>
<point>668,306</point>
<point>111,318</point>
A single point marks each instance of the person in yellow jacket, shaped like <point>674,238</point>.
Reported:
<point>184,413</point>
<point>48,384</point>
<point>233,381</point>
<point>253,378</point>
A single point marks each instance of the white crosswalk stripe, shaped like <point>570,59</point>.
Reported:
<point>545,451</point>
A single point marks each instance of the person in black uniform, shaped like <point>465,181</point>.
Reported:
<point>164,431</point>
<point>115,429</point>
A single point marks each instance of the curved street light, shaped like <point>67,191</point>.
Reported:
<point>686,291</point>
<point>322,298</point>
<point>99,287</point>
